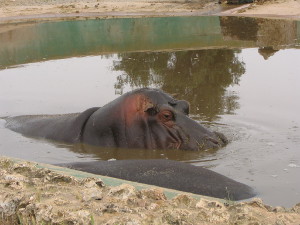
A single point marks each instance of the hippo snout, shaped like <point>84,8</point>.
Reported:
<point>212,140</point>
<point>222,140</point>
<point>197,137</point>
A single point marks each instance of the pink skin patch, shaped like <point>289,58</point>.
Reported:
<point>134,108</point>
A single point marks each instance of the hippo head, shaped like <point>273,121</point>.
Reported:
<point>149,118</point>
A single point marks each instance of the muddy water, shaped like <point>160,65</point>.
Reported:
<point>241,76</point>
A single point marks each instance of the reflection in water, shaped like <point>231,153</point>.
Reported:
<point>37,42</point>
<point>269,35</point>
<point>200,77</point>
<point>115,153</point>
<point>233,28</point>
<point>25,43</point>
<point>267,52</point>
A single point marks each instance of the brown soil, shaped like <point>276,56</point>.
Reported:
<point>30,195</point>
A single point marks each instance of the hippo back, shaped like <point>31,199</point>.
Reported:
<point>66,127</point>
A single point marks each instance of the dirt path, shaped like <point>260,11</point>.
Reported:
<point>30,195</point>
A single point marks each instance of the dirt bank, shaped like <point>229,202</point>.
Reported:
<point>39,9</point>
<point>284,8</point>
<point>30,195</point>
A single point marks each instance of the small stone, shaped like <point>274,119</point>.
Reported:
<point>92,182</point>
<point>60,178</point>
<point>93,193</point>
<point>257,202</point>
<point>296,208</point>
<point>111,208</point>
<point>183,200</point>
<point>61,202</point>
<point>154,193</point>
<point>80,217</point>
<point>124,191</point>
<point>152,206</point>
<point>210,205</point>
<point>279,209</point>
<point>15,177</point>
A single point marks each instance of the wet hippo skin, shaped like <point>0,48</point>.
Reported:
<point>169,174</point>
<point>144,118</point>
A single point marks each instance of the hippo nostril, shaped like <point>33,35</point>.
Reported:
<point>213,140</point>
<point>222,137</point>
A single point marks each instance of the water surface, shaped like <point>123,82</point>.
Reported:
<point>241,76</point>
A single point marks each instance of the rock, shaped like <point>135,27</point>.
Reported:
<point>257,202</point>
<point>92,193</point>
<point>123,192</point>
<point>57,178</point>
<point>79,217</point>
<point>43,212</point>
<point>296,208</point>
<point>152,206</point>
<point>176,216</point>
<point>213,211</point>
<point>124,220</point>
<point>184,200</point>
<point>154,193</point>
<point>15,178</point>
<point>92,182</point>
<point>23,168</point>
<point>279,209</point>
<point>9,205</point>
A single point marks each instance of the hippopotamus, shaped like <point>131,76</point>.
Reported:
<point>169,174</point>
<point>144,118</point>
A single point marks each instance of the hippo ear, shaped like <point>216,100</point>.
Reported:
<point>152,111</point>
<point>174,95</point>
<point>142,103</point>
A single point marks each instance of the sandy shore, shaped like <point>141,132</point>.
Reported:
<point>41,9</point>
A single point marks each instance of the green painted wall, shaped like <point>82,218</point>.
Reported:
<point>25,43</point>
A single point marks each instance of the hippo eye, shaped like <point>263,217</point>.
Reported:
<point>167,115</point>
<point>151,111</point>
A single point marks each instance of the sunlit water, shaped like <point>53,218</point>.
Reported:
<point>246,85</point>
